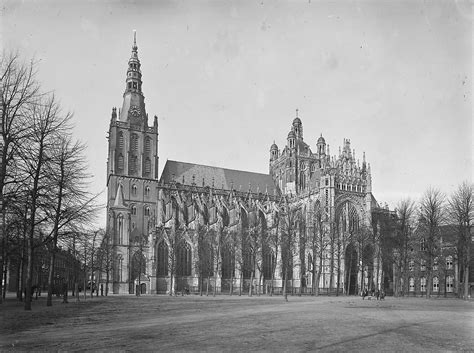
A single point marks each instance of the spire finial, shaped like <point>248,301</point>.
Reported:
<point>296,112</point>
<point>135,39</point>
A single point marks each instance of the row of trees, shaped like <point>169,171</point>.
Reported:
<point>43,181</point>
<point>429,230</point>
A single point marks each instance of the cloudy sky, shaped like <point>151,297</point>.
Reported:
<point>225,78</point>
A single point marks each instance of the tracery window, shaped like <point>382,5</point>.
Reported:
<point>268,263</point>
<point>134,190</point>
<point>183,260</point>
<point>228,268</point>
<point>147,211</point>
<point>411,266</point>
<point>162,265</point>
<point>147,191</point>
<point>134,210</point>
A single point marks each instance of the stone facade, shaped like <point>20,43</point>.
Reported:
<point>310,220</point>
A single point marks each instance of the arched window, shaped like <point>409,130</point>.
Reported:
<point>147,191</point>
<point>411,266</point>
<point>147,166</point>
<point>228,263</point>
<point>133,163</point>
<point>120,162</point>
<point>120,140</point>
<point>449,284</point>
<point>422,265</point>
<point>120,227</point>
<point>134,210</point>
<point>435,264</point>
<point>435,284</point>
<point>134,142</point>
<point>268,263</point>
<point>412,284</point>
<point>183,260</point>
<point>120,267</point>
<point>147,211</point>
<point>423,284</point>
<point>134,190</point>
<point>449,263</point>
<point>162,266</point>
<point>147,145</point>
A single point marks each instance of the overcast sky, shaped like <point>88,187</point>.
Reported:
<point>225,78</point>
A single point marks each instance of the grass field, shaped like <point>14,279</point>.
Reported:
<point>223,323</point>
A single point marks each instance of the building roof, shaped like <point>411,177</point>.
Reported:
<point>220,178</point>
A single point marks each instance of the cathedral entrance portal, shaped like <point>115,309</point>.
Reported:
<point>138,268</point>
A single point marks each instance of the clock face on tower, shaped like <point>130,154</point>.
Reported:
<point>134,111</point>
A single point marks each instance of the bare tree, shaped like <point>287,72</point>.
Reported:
<point>19,89</point>
<point>47,123</point>
<point>71,204</point>
<point>461,212</point>
<point>289,219</point>
<point>318,244</point>
<point>405,212</point>
<point>431,216</point>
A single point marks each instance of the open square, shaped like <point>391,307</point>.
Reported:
<point>224,323</point>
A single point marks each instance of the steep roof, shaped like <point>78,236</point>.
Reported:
<point>219,177</point>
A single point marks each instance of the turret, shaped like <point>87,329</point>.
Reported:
<point>273,152</point>
<point>321,145</point>
<point>291,139</point>
<point>298,127</point>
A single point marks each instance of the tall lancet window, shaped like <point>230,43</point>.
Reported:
<point>120,227</point>
<point>120,162</point>
<point>147,166</point>
<point>147,145</point>
<point>120,140</point>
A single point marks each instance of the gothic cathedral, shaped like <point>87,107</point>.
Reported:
<point>310,224</point>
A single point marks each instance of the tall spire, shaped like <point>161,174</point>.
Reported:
<point>133,108</point>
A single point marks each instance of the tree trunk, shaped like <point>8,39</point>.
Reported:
<point>251,283</point>
<point>466,281</point>
<point>284,283</point>
<point>49,300</point>
<point>29,272</point>
<point>241,283</point>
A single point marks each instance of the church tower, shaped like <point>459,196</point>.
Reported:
<point>132,181</point>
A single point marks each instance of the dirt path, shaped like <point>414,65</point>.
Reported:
<point>162,323</point>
